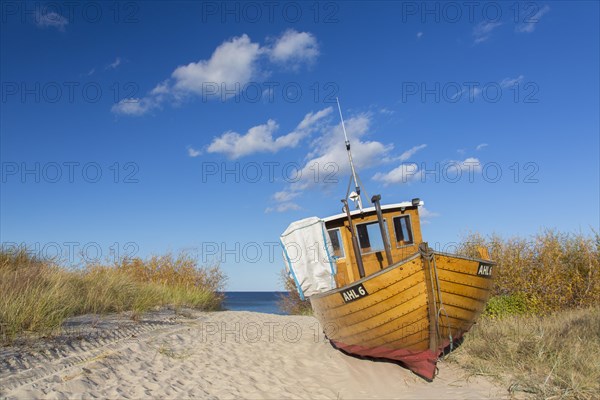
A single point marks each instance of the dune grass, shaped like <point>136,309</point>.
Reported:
<point>291,303</point>
<point>38,296</point>
<point>555,356</point>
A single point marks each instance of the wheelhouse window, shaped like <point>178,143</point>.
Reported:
<point>403,231</point>
<point>369,237</point>
<point>336,241</point>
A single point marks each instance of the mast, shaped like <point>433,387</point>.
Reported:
<point>357,198</point>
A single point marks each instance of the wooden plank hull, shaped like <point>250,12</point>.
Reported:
<point>392,314</point>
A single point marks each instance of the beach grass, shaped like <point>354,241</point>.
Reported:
<point>37,296</point>
<point>554,356</point>
<point>290,302</point>
<point>540,332</point>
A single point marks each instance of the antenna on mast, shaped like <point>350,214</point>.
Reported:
<point>354,196</point>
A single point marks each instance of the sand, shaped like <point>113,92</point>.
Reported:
<point>220,355</point>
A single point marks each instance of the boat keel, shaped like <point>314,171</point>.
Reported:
<point>422,362</point>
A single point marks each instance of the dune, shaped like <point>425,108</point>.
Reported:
<point>219,355</point>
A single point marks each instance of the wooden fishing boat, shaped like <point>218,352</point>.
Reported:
<point>392,297</point>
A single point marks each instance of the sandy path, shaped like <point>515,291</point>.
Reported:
<point>214,355</point>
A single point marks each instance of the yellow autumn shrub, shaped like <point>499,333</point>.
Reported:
<point>549,271</point>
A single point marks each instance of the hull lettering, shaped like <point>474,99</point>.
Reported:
<point>354,293</point>
<point>485,270</point>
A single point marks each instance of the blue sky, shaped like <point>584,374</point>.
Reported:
<point>147,127</point>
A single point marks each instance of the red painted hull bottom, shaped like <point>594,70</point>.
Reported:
<point>422,363</point>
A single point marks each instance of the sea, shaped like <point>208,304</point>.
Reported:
<point>264,302</point>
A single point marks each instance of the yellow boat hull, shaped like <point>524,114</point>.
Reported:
<point>409,311</point>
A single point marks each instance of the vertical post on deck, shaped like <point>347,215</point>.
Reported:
<point>357,255</point>
<point>386,242</point>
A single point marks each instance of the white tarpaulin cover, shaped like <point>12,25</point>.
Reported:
<point>307,252</point>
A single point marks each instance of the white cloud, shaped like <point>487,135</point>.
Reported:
<point>311,119</point>
<point>410,172</point>
<point>233,64</point>
<point>259,139</point>
<point>509,82</point>
<point>419,35</point>
<point>481,146</point>
<point>474,91</point>
<point>51,20</point>
<point>135,106</point>
<point>483,30</point>
<point>294,48</point>
<point>404,173</point>
<point>114,64</point>
<point>283,207</point>
<point>426,215</point>
<point>161,88</point>
<point>327,162</point>
<point>411,152</point>
<point>193,152</point>
<point>329,147</point>
<point>456,168</point>
<point>283,196</point>
<point>141,106</point>
<point>91,72</point>
<point>529,22</point>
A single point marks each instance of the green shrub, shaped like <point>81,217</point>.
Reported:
<point>508,305</point>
